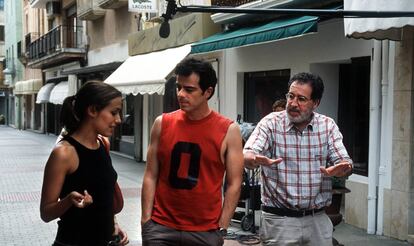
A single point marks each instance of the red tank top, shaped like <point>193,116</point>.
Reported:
<point>189,190</point>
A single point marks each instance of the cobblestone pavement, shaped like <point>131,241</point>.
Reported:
<point>23,155</point>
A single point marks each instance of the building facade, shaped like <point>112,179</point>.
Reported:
<point>13,68</point>
<point>145,77</point>
<point>59,45</point>
<point>108,25</point>
<point>4,89</point>
<point>25,90</point>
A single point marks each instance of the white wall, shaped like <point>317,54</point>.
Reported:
<point>319,53</point>
<point>330,76</point>
<point>53,72</point>
<point>218,62</point>
<point>213,102</point>
<point>107,54</point>
<point>152,108</point>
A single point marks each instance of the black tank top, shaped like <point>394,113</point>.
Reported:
<point>94,224</point>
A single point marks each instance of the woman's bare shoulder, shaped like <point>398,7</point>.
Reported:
<point>64,155</point>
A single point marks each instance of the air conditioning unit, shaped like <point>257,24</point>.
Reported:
<point>52,9</point>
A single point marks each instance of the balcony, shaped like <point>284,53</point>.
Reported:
<point>60,45</point>
<point>20,53</point>
<point>89,10</point>
<point>112,4</point>
<point>23,48</point>
<point>28,38</point>
<point>246,19</point>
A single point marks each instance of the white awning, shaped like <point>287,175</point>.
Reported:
<point>44,93</point>
<point>146,74</point>
<point>377,28</point>
<point>59,93</point>
<point>27,87</point>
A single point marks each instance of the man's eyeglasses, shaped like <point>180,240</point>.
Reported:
<point>301,100</point>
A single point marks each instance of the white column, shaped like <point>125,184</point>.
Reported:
<point>145,126</point>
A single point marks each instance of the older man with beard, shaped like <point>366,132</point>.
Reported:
<point>299,150</point>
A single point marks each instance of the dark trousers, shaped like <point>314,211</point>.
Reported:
<point>154,234</point>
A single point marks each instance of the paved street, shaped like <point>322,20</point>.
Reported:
<point>23,155</point>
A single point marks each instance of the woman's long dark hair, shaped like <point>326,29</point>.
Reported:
<point>92,93</point>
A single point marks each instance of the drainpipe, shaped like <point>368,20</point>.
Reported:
<point>86,41</point>
<point>146,132</point>
<point>374,136</point>
<point>386,137</point>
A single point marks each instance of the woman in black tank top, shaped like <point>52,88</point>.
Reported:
<point>79,180</point>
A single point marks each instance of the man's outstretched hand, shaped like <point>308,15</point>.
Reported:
<point>339,170</point>
<point>253,160</point>
<point>263,160</point>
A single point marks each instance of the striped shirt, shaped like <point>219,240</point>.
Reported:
<point>297,182</point>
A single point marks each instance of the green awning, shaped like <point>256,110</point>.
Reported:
<point>275,30</point>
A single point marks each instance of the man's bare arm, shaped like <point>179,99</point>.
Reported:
<point>234,172</point>
<point>151,173</point>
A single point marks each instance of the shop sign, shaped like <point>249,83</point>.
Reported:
<point>142,6</point>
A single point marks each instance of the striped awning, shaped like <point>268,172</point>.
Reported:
<point>60,92</point>
<point>377,28</point>
<point>147,73</point>
<point>27,87</point>
<point>269,32</point>
<point>44,93</point>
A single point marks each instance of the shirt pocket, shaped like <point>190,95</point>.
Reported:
<point>318,156</point>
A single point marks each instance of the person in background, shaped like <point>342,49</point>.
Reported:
<point>299,151</point>
<point>190,151</point>
<point>279,105</point>
<point>79,179</point>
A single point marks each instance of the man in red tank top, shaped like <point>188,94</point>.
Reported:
<point>189,152</point>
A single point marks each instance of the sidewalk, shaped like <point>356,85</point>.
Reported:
<point>23,155</point>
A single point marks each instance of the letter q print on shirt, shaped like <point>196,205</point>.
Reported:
<point>191,180</point>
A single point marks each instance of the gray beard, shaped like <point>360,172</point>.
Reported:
<point>303,117</point>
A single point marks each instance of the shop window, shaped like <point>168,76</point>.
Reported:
<point>51,118</point>
<point>37,116</point>
<point>12,110</point>
<point>170,96</point>
<point>353,110</point>
<point>1,33</point>
<point>127,126</point>
<point>261,89</point>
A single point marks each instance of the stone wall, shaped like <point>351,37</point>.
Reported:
<point>356,204</point>
<point>399,205</point>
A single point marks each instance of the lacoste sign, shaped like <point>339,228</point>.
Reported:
<point>142,6</point>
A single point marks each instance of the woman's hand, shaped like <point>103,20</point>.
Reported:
<point>79,200</point>
<point>123,236</point>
